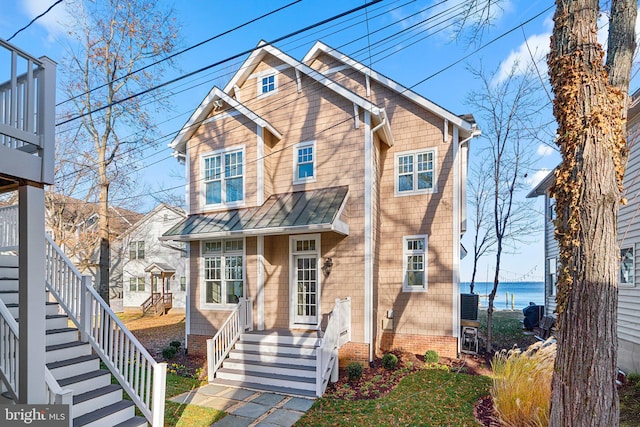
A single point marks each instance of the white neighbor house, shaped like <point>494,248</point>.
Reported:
<point>144,264</point>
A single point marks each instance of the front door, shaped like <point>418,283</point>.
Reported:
<point>306,295</point>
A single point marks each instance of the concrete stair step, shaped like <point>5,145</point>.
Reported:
<point>55,353</point>
<point>97,398</point>
<point>265,387</point>
<point>284,358</point>
<point>278,380</point>
<point>291,370</point>
<point>111,415</point>
<point>87,381</point>
<point>75,366</point>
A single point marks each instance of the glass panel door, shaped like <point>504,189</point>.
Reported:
<point>306,292</point>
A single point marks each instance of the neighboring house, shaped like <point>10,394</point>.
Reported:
<point>629,238</point>
<point>314,180</point>
<point>142,264</point>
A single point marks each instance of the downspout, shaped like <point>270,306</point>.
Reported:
<point>368,233</point>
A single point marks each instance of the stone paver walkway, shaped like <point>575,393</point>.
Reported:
<point>246,408</point>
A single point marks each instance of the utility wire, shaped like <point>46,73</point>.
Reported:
<point>35,19</point>
<point>181,52</point>
<point>245,52</point>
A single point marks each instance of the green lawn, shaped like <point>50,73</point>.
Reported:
<point>431,397</point>
<point>507,329</point>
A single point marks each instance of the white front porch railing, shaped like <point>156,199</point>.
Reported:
<point>337,333</point>
<point>140,375</point>
<point>9,359</point>
<point>9,228</point>
<point>239,321</point>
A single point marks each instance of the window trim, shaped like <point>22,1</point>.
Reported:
<point>138,279</point>
<point>137,250</point>
<point>405,253</point>
<point>265,74</point>
<point>203,186</point>
<point>552,265</point>
<point>204,305</point>
<point>396,184</point>
<point>631,284</point>
<point>300,145</point>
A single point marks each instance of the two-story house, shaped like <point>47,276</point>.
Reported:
<point>628,237</point>
<point>142,265</point>
<point>318,180</point>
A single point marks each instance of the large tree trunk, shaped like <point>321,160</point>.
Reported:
<point>105,247</point>
<point>589,112</point>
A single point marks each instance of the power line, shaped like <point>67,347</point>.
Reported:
<point>35,19</point>
<point>181,52</point>
<point>238,55</point>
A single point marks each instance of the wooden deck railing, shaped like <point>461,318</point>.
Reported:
<point>337,333</point>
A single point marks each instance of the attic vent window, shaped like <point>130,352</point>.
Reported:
<point>267,84</point>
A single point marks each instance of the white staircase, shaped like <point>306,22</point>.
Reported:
<point>280,361</point>
<point>96,402</point>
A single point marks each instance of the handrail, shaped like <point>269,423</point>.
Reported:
<point>9,228</point>
<point>140,375</point>
<point>9,360</point>
<point>338,332</point>
<point>220,345</point>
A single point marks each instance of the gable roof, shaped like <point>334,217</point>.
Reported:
<point>464,122</point>
<point>286,213</point>
<point>204,109</point>
<point>379,115</point>
<point>150,214</point>
<point>543,186</point>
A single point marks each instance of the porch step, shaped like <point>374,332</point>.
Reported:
<point>292,370</point>
<point>70,367</point>
<point>54,321</point>
<point>61,336</point>
<point>111,415</point>
<point>273,348</point>
<point>86,382</point>
<point>12,296</point>
<point>284,358</point>
<point>268,378</point>
<point>309,339</point>
<point>98,398</point>
<point>133,422</point>
<point>51,308</point>
<point>8,283</point>
<point>9,260</point>
<point>55,353</point>
<point>265,387</point>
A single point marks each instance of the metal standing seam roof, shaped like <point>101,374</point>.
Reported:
<point>284,213</point>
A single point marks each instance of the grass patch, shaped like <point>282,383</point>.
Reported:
<point>630,402</point>
<point>177,384</point>
<point>181,415</point>
<point>427,397</point>
<point>507,330</point>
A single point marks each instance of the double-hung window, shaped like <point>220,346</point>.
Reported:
<point>627,266</point>
<point>415,172</point>
<point>414,268</point>
<point>224,178</point>
<point>136,250</point>
<point>304,162</point>
<point>136,284</point>
<point>223,262</point>
<point>552,268</point>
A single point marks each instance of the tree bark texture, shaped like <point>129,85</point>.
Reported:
<point>590,113</point>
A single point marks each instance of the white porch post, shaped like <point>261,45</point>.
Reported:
<point>31,259</point>
<point>260,294</point>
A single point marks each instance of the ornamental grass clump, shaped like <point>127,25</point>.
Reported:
<point>521,389</point>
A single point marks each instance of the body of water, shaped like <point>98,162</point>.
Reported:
<point>523,294</point>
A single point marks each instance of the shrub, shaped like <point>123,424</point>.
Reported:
<point>389,361</point>
<point>354,371</point>
<point>169,352</point>
<point>175,344</point>
<point>521,388</point>
<point>431,356</point>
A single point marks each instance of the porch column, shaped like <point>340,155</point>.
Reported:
<point>260,294</point>
<point>31,299</point>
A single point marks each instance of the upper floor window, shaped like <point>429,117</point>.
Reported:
<point>552,209</point>
<point>267,83</point>
<point>414,267</point>
<point>627,266</point>
<point>136,250</point>
<point>224,178</point>
<point>415,172</point>
<point>136,284</point>
<point>552,268</point>
<point>304,162</point>
<point>223,263</point>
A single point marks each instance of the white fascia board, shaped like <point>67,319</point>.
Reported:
<point>205,108</point>
<point>320,47</point>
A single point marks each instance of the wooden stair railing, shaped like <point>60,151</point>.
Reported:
<point>151,302</point>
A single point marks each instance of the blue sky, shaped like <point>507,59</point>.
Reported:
<point>408,60</point>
